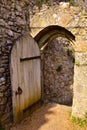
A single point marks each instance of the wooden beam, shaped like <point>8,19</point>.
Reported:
<point>29,58</point>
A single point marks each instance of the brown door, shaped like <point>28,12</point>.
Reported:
<point>25,75</point>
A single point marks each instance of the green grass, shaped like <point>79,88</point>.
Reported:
<point>77,63</point>
<point>79,121</point>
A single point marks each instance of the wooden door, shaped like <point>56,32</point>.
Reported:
<point>25,75</point>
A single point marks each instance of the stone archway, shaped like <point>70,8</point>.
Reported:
<point>54,42</point>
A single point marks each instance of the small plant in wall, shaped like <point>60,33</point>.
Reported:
<point>39,2</point>
<point>77,63</point>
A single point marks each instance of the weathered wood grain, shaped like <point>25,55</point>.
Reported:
<point>26,75</point>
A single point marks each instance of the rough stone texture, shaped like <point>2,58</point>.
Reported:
<point>15,19</point>
<point>72,18</point>
<point>13,24</point>
<point>58,71</point>
<point>80,86</point>
<point>75,20</point>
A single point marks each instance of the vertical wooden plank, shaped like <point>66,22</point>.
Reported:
<point>14,82</point>
<point>37,78</point>
<point>30,68</point>
<point>30,76</point>
<point>23,101</point>
<point>25,72</point>
<point>35,72</point>
<point>19,69</point>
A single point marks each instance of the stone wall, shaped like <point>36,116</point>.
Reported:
<point>15,20</point>
<point>13,23</point>
<point>75,20</point>
<point>80,85</point>
<point>58,71</point>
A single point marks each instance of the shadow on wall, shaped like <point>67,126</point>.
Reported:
<point>58,71</point>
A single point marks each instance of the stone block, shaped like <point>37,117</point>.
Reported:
<point>80,87</point>
<point>81,58</point>
<point>80,45</point>
<point>65,19</point>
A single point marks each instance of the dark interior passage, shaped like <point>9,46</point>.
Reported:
<point>58,71</point>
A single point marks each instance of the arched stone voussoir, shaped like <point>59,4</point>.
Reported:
<point>50,32</point>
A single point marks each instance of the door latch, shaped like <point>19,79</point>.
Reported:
<point>19,91</point>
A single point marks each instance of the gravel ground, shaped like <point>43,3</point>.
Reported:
<point>49,117</point>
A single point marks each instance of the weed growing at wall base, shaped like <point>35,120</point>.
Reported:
<point>79,121</point>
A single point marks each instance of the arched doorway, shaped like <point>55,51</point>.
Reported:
<point>58,64</point>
